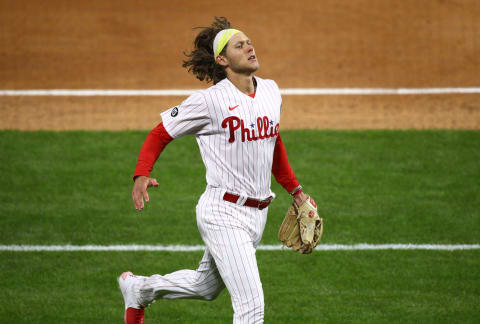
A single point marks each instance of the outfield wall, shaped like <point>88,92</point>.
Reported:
<point>110,44</point>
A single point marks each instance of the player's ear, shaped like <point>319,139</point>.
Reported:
<point>222,60</point>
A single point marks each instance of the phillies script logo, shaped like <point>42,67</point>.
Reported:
<point>265,128</point>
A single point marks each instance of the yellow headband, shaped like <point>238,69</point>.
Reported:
<point>222,39</point>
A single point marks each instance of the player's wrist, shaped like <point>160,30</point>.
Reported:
<point>297,190</point>
<point>300,198</point>
<point>136,177</point>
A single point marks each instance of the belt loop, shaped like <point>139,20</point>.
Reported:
<point>241,200</point>
<point>222,192</point>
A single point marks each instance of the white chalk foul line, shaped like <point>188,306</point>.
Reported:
<point>286,91</point>
<point>190,248</point>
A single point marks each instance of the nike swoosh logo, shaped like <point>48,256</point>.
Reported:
<point>232,108</point>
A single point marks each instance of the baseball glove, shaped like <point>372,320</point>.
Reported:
<point>301,228</point>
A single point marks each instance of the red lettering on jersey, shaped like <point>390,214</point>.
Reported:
<point>260,128</point>
<point>245,131</point>
<point>265,127</point>
<point>234,123</point>
<point>254,138</point>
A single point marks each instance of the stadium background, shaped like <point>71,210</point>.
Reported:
<point>300,44</point>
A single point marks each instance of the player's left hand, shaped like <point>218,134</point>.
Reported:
<point>139,191</point>
<point>301,228</point>
<point>300,198</point>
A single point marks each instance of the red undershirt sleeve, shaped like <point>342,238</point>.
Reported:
<point>281,168</point>
<point>156,141</point>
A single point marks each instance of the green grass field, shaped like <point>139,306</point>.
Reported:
<point>371,187</point>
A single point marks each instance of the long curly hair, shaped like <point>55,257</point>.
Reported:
<point>200,60</point>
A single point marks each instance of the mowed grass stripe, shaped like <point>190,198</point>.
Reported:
<point>419,187</point>
<point>194,248</point>
<point>335,287</point>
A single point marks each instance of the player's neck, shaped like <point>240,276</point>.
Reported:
<point>244,83</point>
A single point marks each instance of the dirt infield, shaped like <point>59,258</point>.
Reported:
<point>323,112</point>
<point>111,44</point>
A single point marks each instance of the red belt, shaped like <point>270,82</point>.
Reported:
<point>250,202</point>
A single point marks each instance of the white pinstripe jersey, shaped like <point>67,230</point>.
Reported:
<point>236,134</point>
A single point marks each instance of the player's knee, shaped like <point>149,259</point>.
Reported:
<point>213,292</point>
<point>210,284</point>
<point>212,295</point>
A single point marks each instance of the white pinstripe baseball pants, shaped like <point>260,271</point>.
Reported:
<point>231,234</point>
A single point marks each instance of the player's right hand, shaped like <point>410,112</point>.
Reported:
<point>139,191</point>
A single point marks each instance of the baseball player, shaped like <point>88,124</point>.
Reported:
<point>236,125</point>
